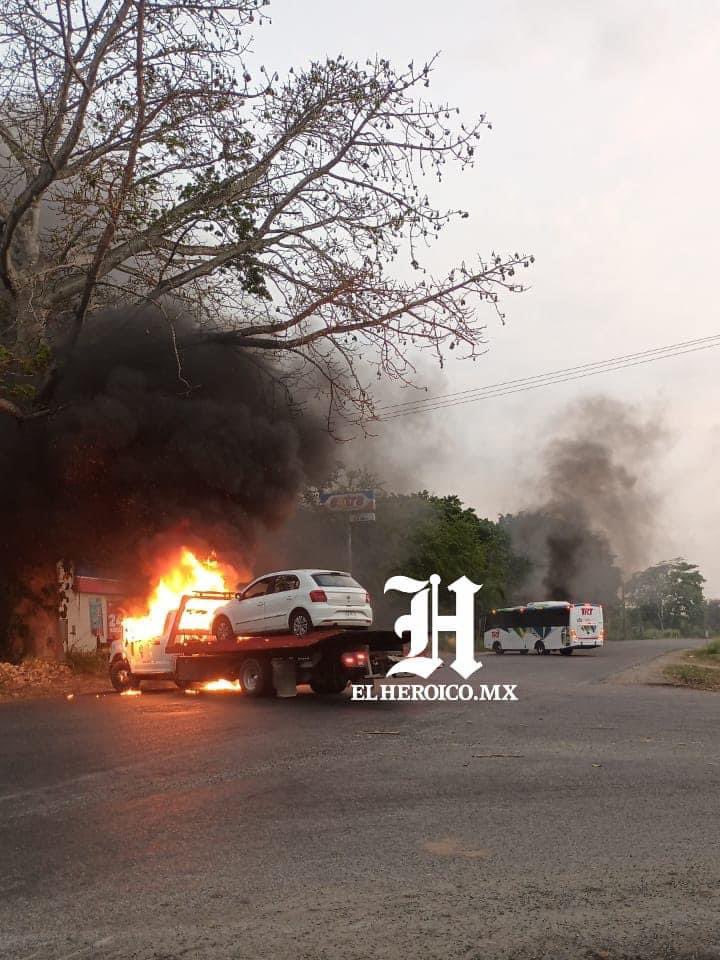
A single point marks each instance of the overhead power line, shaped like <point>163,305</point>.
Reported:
<point>504,388</point>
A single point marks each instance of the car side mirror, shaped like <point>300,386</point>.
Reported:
<point>238,596</point>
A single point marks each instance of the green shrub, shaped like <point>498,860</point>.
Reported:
<point>650,633</point>
<point>712,649</point>
<point>86,661</point>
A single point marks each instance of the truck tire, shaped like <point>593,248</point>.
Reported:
<point>121,677</point>
<point>497,648</point>
<point>223,631</point>
<point>325,686</point>
<point>539,647</point>
<point>300,623</point>
<point>254,676</point>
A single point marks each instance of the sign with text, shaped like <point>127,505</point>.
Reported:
<point>362,517</point>
<point>355,501</point>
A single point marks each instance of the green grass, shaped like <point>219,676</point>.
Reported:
<point>708,655</point>
<point>712,649</point>
<point>692,675</point>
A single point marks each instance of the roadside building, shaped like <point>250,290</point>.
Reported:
<point>90,607</point>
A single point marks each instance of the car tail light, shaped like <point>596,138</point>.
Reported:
<point>367,597</point>
<point>318,596</point>
<point>356,658</point>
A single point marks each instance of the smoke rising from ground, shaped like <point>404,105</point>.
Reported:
<point>594,518</point>
<point>141,457</point>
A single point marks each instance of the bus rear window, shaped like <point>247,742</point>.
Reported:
<point>546,617</point>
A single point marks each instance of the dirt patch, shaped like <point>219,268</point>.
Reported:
<point>698,676</point>
<point>45,678</point>
<point>652,672</point>
<point>680,668</point>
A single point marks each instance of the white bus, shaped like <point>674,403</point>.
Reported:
<point>543,627</point>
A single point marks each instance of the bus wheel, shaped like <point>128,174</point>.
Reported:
<point>539,647</point>
<point>497,647</point>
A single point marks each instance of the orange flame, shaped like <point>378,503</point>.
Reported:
<point>184,575</point>
<point>233,685</point>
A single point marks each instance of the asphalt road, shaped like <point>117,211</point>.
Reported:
<point>581,821</point>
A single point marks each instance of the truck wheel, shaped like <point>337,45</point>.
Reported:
<point>223,631</point>
<point>497,647</point>
<point>539,647</point>
<point>328,678</point>
<point>254,676</point>
<point>300,623</point>
<point>121,677</point>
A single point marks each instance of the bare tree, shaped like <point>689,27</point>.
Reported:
<point>144,163</point>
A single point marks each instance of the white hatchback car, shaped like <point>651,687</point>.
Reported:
<point>295,601</point>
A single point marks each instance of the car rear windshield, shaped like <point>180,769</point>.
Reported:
<point>335,580</point>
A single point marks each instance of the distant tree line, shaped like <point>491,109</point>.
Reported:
<point>669,596</point>
<point>413,534</point>
<point>419,533</point>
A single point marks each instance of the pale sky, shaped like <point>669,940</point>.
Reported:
<point>603,162</point>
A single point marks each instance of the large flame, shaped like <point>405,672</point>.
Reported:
<point>184,574</point>
<point>225,685</point>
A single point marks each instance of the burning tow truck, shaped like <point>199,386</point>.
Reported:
<point>187,651</point>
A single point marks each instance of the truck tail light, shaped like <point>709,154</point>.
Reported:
<point>354,658</point>
<point>318,596</point>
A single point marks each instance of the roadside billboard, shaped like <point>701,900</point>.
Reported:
<point>353,501</point>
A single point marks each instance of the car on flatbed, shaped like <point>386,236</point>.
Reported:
<point>295,601</point>
<point>189,651</point>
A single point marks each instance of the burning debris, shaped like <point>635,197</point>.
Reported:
<point>227,686</point>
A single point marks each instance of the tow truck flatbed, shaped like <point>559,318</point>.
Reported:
<point>262,662</point>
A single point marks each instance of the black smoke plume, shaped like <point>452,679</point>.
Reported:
<point>593,516</point>
<point>158,440</point>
